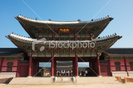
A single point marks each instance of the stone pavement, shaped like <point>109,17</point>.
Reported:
<point>127,85</point>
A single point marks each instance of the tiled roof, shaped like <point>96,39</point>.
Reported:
<point>124,51</point>
<point>10,51</point>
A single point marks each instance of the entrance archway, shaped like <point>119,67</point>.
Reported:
<point>64,68</point>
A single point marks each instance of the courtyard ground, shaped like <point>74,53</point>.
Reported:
<point>127,85</point>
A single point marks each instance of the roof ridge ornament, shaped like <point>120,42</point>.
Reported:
<point>49,19</point>
<point>108,36</point>
<point>78,20</point>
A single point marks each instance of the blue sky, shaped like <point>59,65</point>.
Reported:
<point>48,64</point>
<point>68,10</point>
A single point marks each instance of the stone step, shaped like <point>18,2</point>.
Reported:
<point>96,80</point>
<point>7,74</point>
<point>31,81</point>
<point>50,80</point>
<point>119,73</point>
<point>130,74</point>
<point>63,80</point>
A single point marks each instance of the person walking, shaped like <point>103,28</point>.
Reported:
<point>86,72</point>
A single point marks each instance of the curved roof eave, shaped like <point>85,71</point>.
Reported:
<point>20,18</point>
<point>30,40</point>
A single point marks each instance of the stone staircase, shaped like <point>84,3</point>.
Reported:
<point>119,73</point>
<point>97,80</point>
<point>7,74</point>
<point>58,80</point>
<point>63,80</point>
<point>31,81</point>
<point>130,74</point>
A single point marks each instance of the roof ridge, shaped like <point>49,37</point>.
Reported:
<point>121,48</point>
<point>49,21</point>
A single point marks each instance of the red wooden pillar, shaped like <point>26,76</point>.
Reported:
<point>30,65</point>
<point>1,65</point>
<point>98,64</point>
<point>73,67</point>
<point>109,67</point>
<point>125,65</point>
<point>52,66</point>
<point>76,65</point>
<point>18,68</point>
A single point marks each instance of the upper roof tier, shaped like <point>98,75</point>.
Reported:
<point>73,29</point>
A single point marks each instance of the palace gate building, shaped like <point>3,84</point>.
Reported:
<point>64,44</point>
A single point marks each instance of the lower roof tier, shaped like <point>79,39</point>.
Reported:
<point>63,30</point>
<point>44,48</point>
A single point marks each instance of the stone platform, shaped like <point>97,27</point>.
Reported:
<point>62,80</point>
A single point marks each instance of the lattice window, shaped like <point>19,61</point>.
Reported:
<point>130,58</point>
<point>9,63</point>
<point>117,65</point>
<point>131,65</point>
<point>131,68</point>
<point>9,68</point>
